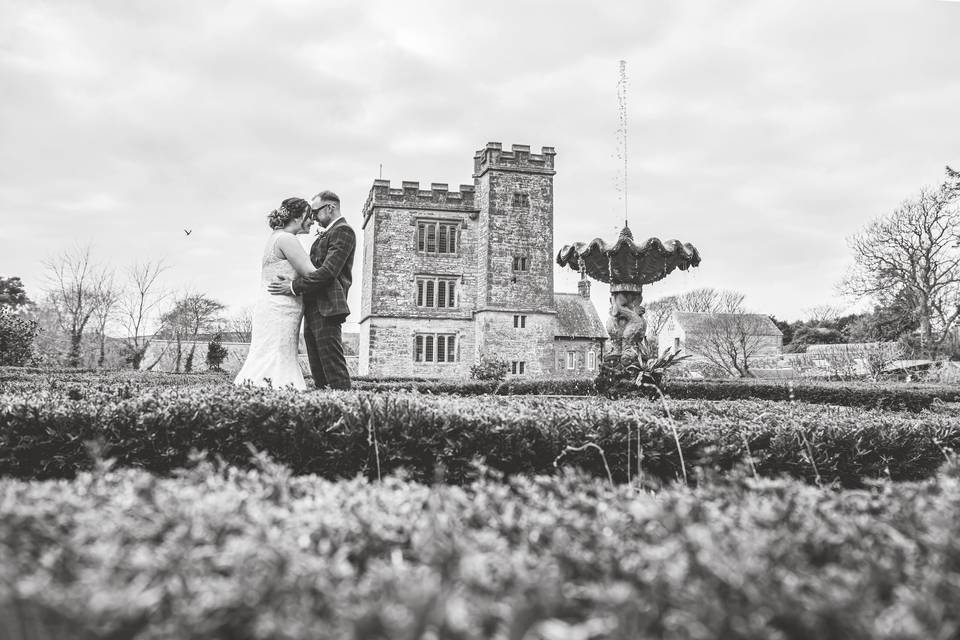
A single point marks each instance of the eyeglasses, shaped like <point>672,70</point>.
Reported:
<point>320,208</point>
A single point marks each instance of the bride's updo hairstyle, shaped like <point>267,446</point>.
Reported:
<point>289,209</point>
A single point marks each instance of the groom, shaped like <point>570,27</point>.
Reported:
<point>324,292</point>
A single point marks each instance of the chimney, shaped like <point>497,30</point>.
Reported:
<point>583,288</point>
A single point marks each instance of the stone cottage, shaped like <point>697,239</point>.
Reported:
<point>449,276</point>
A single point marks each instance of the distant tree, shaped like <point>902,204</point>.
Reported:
<point>17,334</point>
<point>106,299</point>
<point>190,314</point>
<point>216,353</point>
<point>658,312</point>
<point>729,341</point>
<point>702,300</point>
<point>914,252</point>
<point>823,314</point>
<point>709,300</point>
<point>13,296</point>
<point>138,306</point>
<point>74,286</point>
<point>241,323</point>
<point>885,323</point>
<point>806,335</point>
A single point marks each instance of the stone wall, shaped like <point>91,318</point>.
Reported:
<point>512,228</point>
<point>507,213</point>
<point>387,347</point>
<point>533,344</point>
<point>580,347</point>
<point>391,261</point>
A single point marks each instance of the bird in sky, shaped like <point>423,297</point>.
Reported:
<point>188,231</point>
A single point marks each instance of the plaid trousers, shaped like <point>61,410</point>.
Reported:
<point>325,351</point>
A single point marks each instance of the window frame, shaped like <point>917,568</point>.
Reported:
<point>521,264</point>
<point>428,287</point>
<point>421,242</point>
<point>520,200</point>
<point>429,343</point>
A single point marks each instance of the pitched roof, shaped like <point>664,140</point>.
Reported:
<point>759,324</point>
<point>577,317</point>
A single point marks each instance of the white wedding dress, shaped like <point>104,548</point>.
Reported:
<point>272,360</point>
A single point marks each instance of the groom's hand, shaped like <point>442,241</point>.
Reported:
<point>281,287</point>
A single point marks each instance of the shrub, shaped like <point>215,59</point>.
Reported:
<point>16,338</point>
<point>43,433</point>
<point>489,368</point>
<point>220,552</point>
<point>216,353</point>
<point>847,394</point>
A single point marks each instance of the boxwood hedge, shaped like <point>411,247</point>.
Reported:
<point>227,553</point>
<point>46,433</point>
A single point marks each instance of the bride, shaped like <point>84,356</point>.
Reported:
<point>272,359</point>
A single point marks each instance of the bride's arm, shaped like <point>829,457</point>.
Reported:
<point>293,252</point>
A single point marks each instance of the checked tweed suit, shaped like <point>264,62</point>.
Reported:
<point>325,307</point>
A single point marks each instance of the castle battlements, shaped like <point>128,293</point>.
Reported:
<point>518,158</point>
<point>411,196</point>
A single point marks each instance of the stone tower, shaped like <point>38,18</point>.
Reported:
<point>515,313</point>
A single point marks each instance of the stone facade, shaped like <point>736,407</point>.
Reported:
<point>462,274</point>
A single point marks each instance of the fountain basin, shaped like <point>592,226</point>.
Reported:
<point>626,265</point>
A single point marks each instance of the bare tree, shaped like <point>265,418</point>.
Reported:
<point>74,281</point>
<point>138,306</point>
<point>709,300</point>
<point>914,251</point>
<point>190,314</point>
<point>241,323</point>
<point>105,299</point>
<point>702,300</point>
<point>823,313</point>
<point>657,314</point>
<point>729,341</point>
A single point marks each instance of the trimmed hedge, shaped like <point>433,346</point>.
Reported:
<point>894,396</point>
<point>508,387</point>
<point>225,553</point>
<point>340,434</point>
<point>888,396</point>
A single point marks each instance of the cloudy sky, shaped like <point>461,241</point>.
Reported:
<point>765,132</point>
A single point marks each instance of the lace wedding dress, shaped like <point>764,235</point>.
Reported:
<point>272,360</point>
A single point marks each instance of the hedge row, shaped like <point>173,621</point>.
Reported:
<point>509,387</point>
<point>225,553</point>
<point>341,434</point>
<point>892,396</point>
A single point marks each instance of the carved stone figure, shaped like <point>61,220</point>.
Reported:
<point>626,325</point>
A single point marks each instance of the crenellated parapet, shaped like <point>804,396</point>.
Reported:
<point>410,196</point>
<point>518,158</point>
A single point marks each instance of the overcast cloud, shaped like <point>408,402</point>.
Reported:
<point>764,132</point>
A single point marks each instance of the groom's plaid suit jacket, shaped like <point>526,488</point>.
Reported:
<point>325,290</point>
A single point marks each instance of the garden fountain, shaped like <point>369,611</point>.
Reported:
<point>626,266</point>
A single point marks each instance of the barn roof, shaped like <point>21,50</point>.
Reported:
<point>758,324</point>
